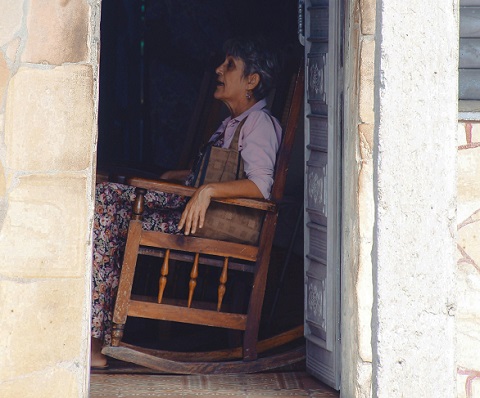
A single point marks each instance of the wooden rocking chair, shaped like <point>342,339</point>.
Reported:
<point>227,256</point>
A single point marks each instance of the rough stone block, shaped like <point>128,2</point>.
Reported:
<point>366,218</point>
<point>50,118</point>
<point>3,183</point>
<point>365,99</point>
<point>461,380</point>
<point>365,132</point>
<point>12,48</point>
<point>57,32</point>
<point>468,243</point>
<point>10,19</point>
<point>50,383</point>
<point>475,391</point>
<point>367,10</point>
<point>4,75</point>
<point>468,341</point>
<point>45,230</point>
<point>468,263</point>
<point>469,247</point>
<point>468,184</point>
<point>39,337</point>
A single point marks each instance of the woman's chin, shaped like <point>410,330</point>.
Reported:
<point>221,98</point>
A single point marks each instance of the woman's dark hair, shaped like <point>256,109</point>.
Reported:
<point>258,58</point>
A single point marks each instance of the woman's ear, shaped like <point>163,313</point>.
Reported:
<point>253,80</point>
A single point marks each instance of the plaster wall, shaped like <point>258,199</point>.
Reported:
<point>413,256</point>
<point>48,94</point>
<point>468,260</point>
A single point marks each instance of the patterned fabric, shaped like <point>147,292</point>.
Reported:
<point>113,207</point>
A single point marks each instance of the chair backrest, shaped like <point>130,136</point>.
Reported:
<point>205,116</point>
<point>290,119</point>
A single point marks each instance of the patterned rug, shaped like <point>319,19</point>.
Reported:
<point>286,384</point>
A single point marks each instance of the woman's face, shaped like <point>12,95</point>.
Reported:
<point>232,85</point>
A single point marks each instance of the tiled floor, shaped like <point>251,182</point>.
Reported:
<point>282,384</point>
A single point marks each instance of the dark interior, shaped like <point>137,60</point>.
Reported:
<point>154,56</point>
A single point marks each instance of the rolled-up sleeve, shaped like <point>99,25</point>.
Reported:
<point>259,142</point>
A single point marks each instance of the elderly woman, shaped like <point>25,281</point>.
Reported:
<point>244,79</point>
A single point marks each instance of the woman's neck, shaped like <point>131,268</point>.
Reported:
<point>238,109</point>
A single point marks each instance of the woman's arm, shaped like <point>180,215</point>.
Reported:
<point>260,138</point>
<point>193,216</point>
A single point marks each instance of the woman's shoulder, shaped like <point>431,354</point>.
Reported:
<point>261,125</point>
<point>262,117</point>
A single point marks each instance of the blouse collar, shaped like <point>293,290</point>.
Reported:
<point>258,106</point>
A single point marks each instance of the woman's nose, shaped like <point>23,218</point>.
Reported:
<point>219,70</point>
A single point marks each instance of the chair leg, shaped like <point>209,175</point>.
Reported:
<point>240,289</point>
<point>126,281</point>
<point>117,333</point>
<point>258,293</point>
<point>250,336</point>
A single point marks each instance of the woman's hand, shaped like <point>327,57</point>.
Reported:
<point>193,216</point>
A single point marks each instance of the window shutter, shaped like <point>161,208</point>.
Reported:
<point>469,62</point>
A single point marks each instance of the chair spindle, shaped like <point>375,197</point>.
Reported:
<point>163,278</point>
<point>223,281</point>
<point>193,280</point>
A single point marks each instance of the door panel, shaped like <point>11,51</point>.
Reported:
<point>323,115</point>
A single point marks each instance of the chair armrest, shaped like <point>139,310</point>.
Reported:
<point>161,186</point>
<point>259,204</point>
<point>179,189</point>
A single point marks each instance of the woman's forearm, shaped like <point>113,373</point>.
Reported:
<point>233,189</point>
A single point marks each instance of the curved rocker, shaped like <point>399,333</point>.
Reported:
<point>213,362</point>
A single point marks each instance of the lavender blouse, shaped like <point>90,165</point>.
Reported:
<point>258,143</point>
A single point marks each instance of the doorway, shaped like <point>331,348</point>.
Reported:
<point>154,56</point>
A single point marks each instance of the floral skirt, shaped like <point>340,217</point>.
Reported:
<point>113,207</point>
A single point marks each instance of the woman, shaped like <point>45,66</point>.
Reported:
<point>244,79</point>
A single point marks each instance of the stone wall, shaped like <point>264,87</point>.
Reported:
<point>358,210</point>
<point>468,260</point>
<point>48,91</point>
